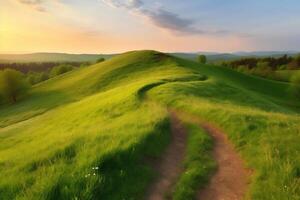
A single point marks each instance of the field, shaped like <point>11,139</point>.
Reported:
<point>91,133</point>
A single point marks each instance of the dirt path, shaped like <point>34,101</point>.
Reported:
<point>228,183</point>
<point>170,166</point>
<point>231,179</point>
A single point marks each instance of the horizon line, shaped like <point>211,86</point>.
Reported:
<point>120,52</point>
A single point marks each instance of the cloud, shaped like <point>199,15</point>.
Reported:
<point>30,2</point>
<point>128,4</point>
<point>172,22</point>
<point>162,18</point>
<point>35,4</point>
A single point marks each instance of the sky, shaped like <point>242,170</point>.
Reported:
<point>114,26</point>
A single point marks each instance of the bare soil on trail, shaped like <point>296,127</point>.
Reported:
<point>230,181</point>
<point>231,178</point>
<point>169,167</point>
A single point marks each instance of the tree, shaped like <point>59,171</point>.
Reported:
<point>243,69</point>
<point>202,59</point>
<point>60,69</point>
<point>43,77</point>
<point>263,69</point>
<point>263,65</point>
<point>36,77</point>
<point>12,84</point>
<point>297,58</point>
<point>295,63</point>
<point>292,65</point>
<point>295,84</point>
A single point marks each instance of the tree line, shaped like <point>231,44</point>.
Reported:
<point>281,63</point>
<point>42,66</point>
<point>17,78</point>
<point>38,66</point>
<point>266,67</point>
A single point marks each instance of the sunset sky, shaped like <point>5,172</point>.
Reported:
<point>109,26</point>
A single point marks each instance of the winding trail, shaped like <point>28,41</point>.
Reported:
<point>169,167</point>
<point>231,178</point>
<point>228,183</point>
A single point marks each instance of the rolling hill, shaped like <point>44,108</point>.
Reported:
<point>89,133</point>
<point>65,57</point>
<point>214,57</point>
<point>211,57</point>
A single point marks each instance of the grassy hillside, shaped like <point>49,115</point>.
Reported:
<point>51,57</point>
<point>85,133</point>
<point>128,68</point>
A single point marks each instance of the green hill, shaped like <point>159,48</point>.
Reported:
<point>85,134</point>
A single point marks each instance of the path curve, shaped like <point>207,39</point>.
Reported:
<point>230,181</point>
<point>169,167</point>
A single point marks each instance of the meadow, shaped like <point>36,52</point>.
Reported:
<point>87,134</point>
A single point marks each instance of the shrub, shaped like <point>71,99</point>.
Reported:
<point>99,60</point>
<point>60,69</point>
<point>43,76</point>
<point>35,77</point>
<point>243,69</point>
<point>282,67</point>
<point>12,85</point>
<point>263,65</point>
<point>293,65</point>
<point>262,69</point>
<point>202,59</point>
<point>297,58</point>
<point>31,78</point>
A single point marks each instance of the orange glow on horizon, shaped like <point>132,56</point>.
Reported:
<point>26,31</point>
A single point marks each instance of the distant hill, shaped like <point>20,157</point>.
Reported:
<point>266,53</point>
<point>215,57</point>
<point>210,57</point>
<point>65,57</point>
<point>51,57</point>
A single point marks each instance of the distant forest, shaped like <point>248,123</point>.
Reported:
<point>36,72</point>
<point>38,66</point>
<point>280,63</point>
<point>280,68</point>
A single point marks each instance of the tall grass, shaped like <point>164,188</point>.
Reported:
<point>198,164</point>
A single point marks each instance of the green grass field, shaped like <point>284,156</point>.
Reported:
<point>86,134</point>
